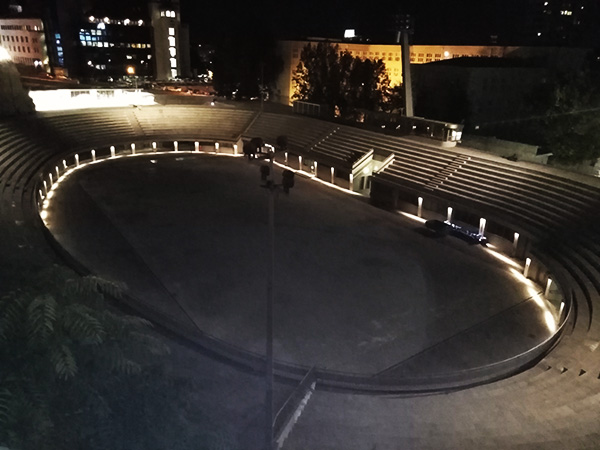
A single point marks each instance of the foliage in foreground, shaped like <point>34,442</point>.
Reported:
<point>74,374</point>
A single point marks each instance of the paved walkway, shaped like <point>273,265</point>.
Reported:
<point>357,289</point>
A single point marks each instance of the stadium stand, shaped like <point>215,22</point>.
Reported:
<point>553,404</point>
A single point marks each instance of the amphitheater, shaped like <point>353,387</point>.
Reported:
<point>550,398</point>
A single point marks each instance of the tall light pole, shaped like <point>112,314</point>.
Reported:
<point>287,183</point>
<point>270,300</point>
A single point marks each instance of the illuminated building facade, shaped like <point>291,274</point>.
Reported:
<point>99,40</point>
<point>112,47</point>
<point>390,54</point>
<point>25,42</point>
<point>170,41</point>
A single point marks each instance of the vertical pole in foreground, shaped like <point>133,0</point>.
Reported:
<point>270,296</point>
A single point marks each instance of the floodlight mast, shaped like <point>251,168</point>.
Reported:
<point>270,184</point>
<point>267,176</point>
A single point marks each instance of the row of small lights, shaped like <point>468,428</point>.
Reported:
<point>48,189</point>
<point>521,275</point>
<point>107,20</point>
<point>48,193</point>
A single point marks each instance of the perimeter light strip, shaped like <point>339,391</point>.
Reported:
<point>49,193</point>
<point>315,178</point>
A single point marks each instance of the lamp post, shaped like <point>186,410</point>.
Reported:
<point>131,73</point>
<point>287,183</point>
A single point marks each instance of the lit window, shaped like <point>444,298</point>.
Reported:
<point>174,73</point>
<point>173,62</point>
<point>172,51</point>
<point>162,14</point>
<point>171,31</point>
<point>171,41</point>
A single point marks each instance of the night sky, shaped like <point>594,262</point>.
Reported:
<point>460,21</point>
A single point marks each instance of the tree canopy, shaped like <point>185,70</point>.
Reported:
<point>571,124</point>
<point>75,374</point>
<point>327,76</point>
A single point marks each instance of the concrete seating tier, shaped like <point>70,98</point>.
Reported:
<point>544,407</point>
<point>192,121</point>
<point>300,131</point>
<point>94,127</point>
<point>340,147</point>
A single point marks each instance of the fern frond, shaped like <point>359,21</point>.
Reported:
<point>80,325</point>
<point>41,316</point>
<point>12,313</point>
<point>63,361</point>
<point>92,284</point>
<point>5,406</point>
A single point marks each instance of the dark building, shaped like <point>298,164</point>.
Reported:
<point>571,23</point>
<point>109,39</point>
<point>490,92</point>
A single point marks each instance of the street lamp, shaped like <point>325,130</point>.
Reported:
<point>131,73</point>
<point>266,173</point>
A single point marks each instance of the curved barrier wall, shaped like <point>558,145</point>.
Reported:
<point>326,378</point>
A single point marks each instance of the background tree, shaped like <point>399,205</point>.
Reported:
<point>327,76</point>
<point>570,128</point>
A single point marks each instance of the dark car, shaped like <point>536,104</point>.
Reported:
<point>464,233</point>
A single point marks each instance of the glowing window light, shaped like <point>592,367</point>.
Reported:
<point>332,172</point>
<point>216,147</point>
<point>449,215</point>
<point>235,147</point>
<point>50,177</point>
<point>45,187</point>
<point>126,22</point>
<point>154,146</point>
<point>112,151</point>
<point>173,62</point>
<point>176,146</point>
<point>41,194</point>
<point>420,206</point>
<point>64,163</point>
<point>132,148</point>
<point>171,31</point>
<point>93,152</point>
<point>4,56</point>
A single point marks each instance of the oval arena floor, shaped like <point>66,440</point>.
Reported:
<point>357,289</point>
<point>552,405</point>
